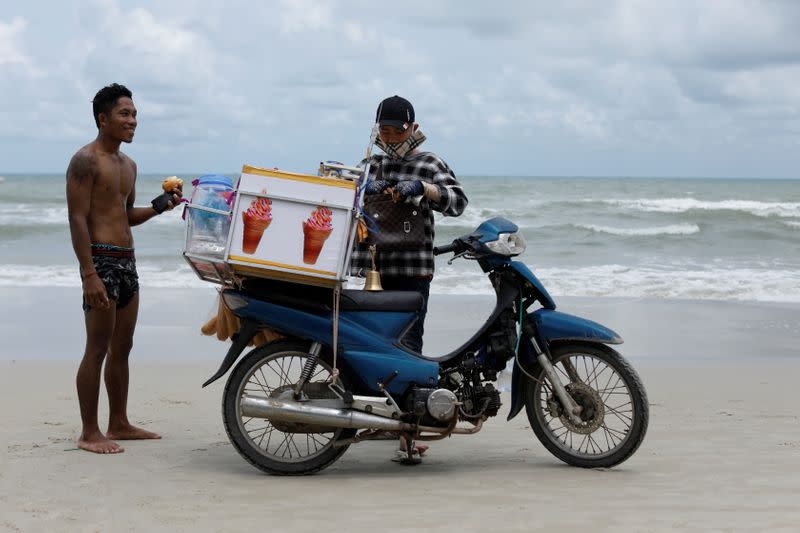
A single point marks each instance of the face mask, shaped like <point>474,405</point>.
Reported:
<point>399,151</point>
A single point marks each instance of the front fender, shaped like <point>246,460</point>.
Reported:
<point>552,326</point>
<point>556,326</point>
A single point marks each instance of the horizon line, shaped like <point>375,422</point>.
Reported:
<point>530,176</point>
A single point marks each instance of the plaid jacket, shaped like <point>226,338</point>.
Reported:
<point>424,166</point>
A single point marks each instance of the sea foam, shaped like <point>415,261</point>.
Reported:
<point>674,229</point>
<point>723,282</point>
<point>682,205</point>
<point>32,215</point>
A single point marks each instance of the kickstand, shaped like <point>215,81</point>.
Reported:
<point>410,457</point>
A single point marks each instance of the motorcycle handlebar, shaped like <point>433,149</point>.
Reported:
<point>438,250</point>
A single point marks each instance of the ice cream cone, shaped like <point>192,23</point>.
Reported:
<point>312,243</point>
<point>252,232</point>
<point>256,219</point>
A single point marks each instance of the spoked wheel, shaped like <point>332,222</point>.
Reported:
<point>280,448</point>
<point>614,410</point>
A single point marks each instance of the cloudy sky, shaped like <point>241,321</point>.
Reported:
<point>627,88</point>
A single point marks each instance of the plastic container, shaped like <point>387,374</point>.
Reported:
<point>207,231</point>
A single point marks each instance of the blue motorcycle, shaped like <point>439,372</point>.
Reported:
<point>293,406</point>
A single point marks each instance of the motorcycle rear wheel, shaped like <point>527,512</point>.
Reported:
<point>615,409</point>
<point>261,372</point>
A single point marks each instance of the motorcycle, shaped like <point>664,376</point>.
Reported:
<point>294,406</point>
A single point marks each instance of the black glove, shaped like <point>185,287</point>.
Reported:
<point>376,187</point>
<point>161,202</point>
<point>409,189</point>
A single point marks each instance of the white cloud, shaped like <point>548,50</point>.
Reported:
<point>280,80</point>
<point>773,86</point>
<point>584,122</point>
<point>497,120</point>
<point>11,42</point>
<point>299,16</point>
<point>357,34</point>
<point>164,49</point>
<point>724,35</point>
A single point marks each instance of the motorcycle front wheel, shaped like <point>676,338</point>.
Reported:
<point>279,449</point>
<point>614,409</point>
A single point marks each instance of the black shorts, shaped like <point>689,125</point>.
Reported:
<point>116,267</point>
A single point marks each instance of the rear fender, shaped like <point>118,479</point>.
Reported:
<point>246,332</point>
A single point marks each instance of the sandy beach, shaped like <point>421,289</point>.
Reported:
<point>721,454</point>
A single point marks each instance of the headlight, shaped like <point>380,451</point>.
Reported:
<point>508,244</point>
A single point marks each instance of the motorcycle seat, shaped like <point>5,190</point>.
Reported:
<point>319,299</point>
<point>358,300</point>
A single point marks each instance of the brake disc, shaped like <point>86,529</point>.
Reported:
<point>592,409</point>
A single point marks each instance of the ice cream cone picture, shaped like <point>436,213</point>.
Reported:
<point>256,219</point>
<point>316,230</point>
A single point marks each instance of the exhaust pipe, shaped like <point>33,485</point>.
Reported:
<point>301,413</point>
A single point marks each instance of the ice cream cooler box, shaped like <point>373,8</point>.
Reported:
<point>282,225</point>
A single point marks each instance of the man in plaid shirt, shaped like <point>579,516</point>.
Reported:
<point>406,173</point>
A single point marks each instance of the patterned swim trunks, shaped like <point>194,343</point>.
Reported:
<point>116,267</point>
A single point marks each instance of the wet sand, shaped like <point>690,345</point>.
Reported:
<point>721,452</point>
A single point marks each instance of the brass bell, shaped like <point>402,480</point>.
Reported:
<point>373,276</point>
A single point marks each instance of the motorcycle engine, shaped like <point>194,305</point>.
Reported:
<point>477,398</point>
<point>433,407</point>
<point>469,379</point>
<point>483,399</point>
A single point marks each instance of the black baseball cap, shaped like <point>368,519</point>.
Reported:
<point>395,111</point>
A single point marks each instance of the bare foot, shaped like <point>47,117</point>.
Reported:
<point>420,448</point>
<point>131,432</point>
<point>99,443</point>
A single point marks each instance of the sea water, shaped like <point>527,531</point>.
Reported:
<point>723,239</point>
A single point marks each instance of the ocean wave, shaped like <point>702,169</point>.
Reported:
<point>682,205</point>
<point>471,218</point>
<point>718,283</point>
<point>169,217</point>
<point>67,276</point>
<point>674,229</point>
<point>792,223</point>
<point>33,215</point>
<point>775,283</point>
<point>24,214</point>
<point>768,284</point>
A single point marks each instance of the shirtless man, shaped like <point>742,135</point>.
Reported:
<point>101,190</point>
